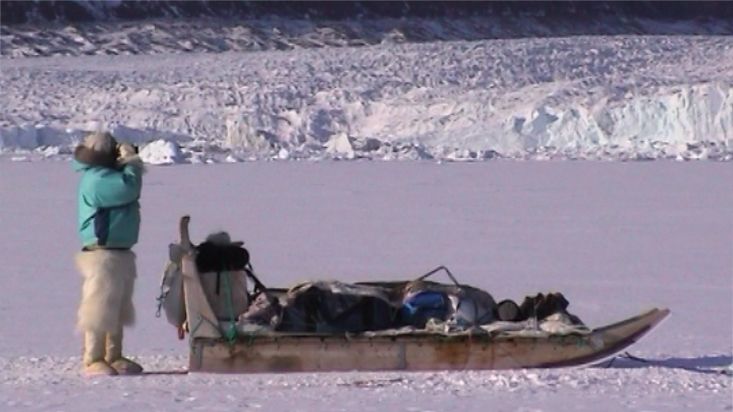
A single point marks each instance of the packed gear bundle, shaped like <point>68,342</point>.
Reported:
<point>331,306</point>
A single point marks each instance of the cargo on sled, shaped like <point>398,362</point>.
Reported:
<point>368,326</point>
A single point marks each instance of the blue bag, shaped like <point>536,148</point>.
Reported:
<point>418,308</point>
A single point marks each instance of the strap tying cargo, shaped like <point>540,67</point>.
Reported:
<point>231,332</point>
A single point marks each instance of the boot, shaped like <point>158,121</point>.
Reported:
<point>114,357</point>
<point>93,358</point>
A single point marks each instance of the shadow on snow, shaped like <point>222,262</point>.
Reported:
<point>715,364</point>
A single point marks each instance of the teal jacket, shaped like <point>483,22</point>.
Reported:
<point>108,207</point>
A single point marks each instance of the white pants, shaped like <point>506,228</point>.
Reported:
<point>109,280</point>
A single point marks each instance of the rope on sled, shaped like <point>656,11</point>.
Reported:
<point>438,269</point>
<point>198,324</point>
<point>231,332</point>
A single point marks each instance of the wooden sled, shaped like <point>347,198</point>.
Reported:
<point>210,351</point>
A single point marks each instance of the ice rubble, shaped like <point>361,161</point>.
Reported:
<point>615,98</point>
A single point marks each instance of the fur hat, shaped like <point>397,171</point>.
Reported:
<point>222,239</point>
<point>97,149</point>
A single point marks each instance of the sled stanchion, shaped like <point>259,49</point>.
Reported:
<point>183,231</point>
<point>196,304</point>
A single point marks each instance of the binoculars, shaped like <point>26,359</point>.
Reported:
<point>134,146</point>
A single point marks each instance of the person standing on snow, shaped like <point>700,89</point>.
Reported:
<point>109,223</point>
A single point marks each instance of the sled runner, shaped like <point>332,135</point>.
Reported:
<point>320,353</point>
<point>221,343</point>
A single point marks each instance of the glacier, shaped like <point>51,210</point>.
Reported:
<point>586,97</point>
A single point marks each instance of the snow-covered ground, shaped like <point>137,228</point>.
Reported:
<point>592,97</point>
<point>616,238</point>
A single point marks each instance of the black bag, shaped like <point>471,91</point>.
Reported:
<point>214,257</point>
<point>542,306</point>
<point>318,308</point>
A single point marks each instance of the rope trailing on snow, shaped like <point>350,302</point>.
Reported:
<point>625,355</point>
<point>666,364</point>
